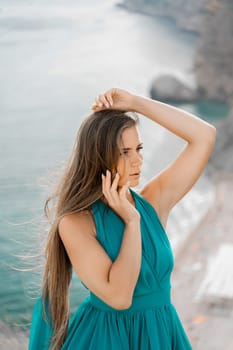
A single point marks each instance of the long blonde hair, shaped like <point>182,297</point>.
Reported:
<point>96,149</point>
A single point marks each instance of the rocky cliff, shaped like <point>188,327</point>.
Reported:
<point>214,58</point>
<point>213,64</point>
<point>213,20</point>
<point>214,74</point>
<point>187,14</point>
<point>222,157</point>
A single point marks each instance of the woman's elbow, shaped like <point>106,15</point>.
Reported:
<point>121,303</point>
<point>213,131</point>
<point>210,136</point>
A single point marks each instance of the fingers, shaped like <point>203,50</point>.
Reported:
<point>115,182</point>
<point>117,199</point>
<point>103,101</point>
<point>109,187</point>
<point>123,190</point>
<point>109,98</point>
<point>106,185</point>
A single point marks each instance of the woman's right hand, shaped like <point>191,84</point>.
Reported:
<point>114,98</point>
<point>117,198</point>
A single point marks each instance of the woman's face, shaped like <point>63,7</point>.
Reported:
<point>130,161</point>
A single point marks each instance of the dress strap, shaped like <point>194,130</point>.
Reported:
<point>147,206</point>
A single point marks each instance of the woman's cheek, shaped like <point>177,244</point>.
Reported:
<point>123,171</point>
<point>124,178</point>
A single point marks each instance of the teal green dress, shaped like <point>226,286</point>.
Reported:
<point>151,322</point>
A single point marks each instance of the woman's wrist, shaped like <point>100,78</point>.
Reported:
<point>133,221</point>
<point>138,103</point>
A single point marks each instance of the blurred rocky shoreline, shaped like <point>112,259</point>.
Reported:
<point>213,69</point>
<point>212,20</point>
<point>202,281</point>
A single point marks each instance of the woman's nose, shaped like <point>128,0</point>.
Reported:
<point>136,159</point>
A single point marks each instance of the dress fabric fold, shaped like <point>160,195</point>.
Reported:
<point>151,322</point>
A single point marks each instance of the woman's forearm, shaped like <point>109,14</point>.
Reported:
<point>181,123</point>
<point>125,270</point>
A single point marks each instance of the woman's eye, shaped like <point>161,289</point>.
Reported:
<point>129,152</point>
<point>139,148</point>
<point>124,153</point>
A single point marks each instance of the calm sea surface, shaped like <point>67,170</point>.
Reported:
<point>54,59</point>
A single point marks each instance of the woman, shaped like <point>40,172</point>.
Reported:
<point>113,237</point>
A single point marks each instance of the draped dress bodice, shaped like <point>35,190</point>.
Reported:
<point>151,322</point>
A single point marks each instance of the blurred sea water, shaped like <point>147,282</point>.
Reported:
<point>55,58</point>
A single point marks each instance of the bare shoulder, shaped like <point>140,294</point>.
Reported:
<point>151,193</point>
<point>78,224</point>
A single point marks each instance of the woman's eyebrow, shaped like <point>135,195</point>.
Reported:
<point>129,148</point>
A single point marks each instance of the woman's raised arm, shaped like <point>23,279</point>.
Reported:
<point>165,189</point>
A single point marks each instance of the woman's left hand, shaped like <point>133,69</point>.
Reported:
<point>114,99</point>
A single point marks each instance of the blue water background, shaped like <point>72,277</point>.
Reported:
<point>54,59</point>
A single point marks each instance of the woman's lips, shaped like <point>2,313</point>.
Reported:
<point>135,174</point>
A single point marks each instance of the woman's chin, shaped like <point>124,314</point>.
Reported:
<point>134,182</point>
<point>131,184</point>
